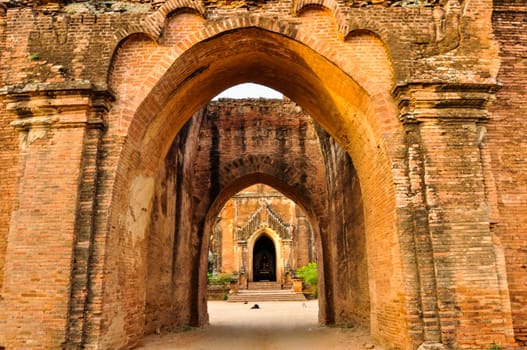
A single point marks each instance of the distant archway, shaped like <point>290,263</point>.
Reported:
<point>264,260</point>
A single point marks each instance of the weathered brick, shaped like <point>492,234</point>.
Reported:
<point>417,198</point>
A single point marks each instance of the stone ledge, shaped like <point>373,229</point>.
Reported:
<point>431,346</point>
<point>57,105</point>
<point>419,101</point>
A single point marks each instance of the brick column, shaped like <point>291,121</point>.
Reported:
<point>287,257</point>
<point>242,256</point>
<point>464,302</point>
<point>47,254</point>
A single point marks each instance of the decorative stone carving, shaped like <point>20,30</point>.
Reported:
<point>123,6</point>
<point>395,3</point>
<point>263,217</point>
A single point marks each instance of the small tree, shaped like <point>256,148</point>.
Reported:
<point>309,273</point>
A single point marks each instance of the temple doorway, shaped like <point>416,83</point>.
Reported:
<point>264,260</point>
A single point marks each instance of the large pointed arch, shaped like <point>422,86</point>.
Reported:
<point>345,109</point>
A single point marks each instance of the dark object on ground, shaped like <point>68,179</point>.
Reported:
<point>255,306</point>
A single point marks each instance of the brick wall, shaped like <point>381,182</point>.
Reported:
<point>305,247</point>
<point>170,300</point>
<point>161,235</point>
<point>348,240</point>
<point>8,172</point>
<point>507,147</point>
<point>225,233</point>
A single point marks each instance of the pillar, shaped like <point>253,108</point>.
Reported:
<point>463,301</point>
<point>48,249</point>
<point>287,254</point>
<point>242,256</point>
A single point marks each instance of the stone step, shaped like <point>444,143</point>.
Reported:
<point>265,295</point>
<point>264,285</point>
<point>265,291</point>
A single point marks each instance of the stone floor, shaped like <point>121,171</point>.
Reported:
<point>275,325</point>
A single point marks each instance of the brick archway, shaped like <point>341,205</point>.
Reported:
<point>332,97</point>
<point>275,177</point>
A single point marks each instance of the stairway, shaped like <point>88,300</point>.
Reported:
<point>265,291</point>
<point>264,286</point>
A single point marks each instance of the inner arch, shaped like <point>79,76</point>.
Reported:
<point>251,215</point>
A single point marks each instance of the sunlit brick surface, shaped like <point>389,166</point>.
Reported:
<point>416,192</point>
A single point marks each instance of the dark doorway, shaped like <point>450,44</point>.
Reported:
<point>264,260</point>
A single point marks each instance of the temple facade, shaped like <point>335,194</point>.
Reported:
<point>261,235</point>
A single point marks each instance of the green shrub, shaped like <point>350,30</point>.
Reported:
<point>309,273</point>
<point>221,279</point>
<point>495,346</point>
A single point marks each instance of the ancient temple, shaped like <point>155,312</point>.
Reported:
<point>261,235</point>
<point>404,142</point>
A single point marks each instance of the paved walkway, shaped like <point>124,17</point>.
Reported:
<point>276,325</point>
